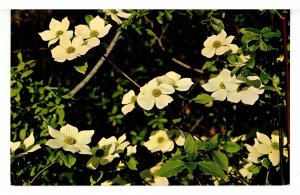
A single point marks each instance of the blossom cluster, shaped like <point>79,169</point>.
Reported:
<point>156,92</point>
<point>235,89</point>
<point>28,146</point>
<point>86,36</point>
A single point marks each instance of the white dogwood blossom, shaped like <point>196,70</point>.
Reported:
<point>28,145</point>
<point>248,95</point>
<point>149,175</point>
<point>159,141</point>
<point>69,50</point>
<point>70,139</point>
<point>128,100</point>
<point>154,93</point>
<point>218,45</point>
<point>221,85</point>
<point>174,79</point>
<point>115,14</point>
<point>245,170</point>
<point>56,29</point>
<point>131,150</point>
<point>93,32</point>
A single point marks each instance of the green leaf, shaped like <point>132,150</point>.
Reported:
<point>169,15</point>
<point>202,145</point>
<point>254,83</point>
<point>203,99</point>
<point>132,163</point>
<point>190,147</point>
<point>235,70</point>
<point>231,147</point>
<point>171,168</point>
<point>217,24</point>
<point>250,63</point>
<point>61,115</point>
<point>20,57</point>
<point>208,64</point>
<point>265,162</point>
<point>88,18</point>
<point>96,177</point>
<point>231,58</point>
<point>263,46</point>
<point>81,69</point>
<point>26,73</point>
<point>269,35</point>
<point>191,166</point>
<point>254,169</point>
<point>211,168</point>
<point>177,120</point>
<point>69,160</point>
<point>265,77</point>
<point>150,32</point>
<point>250,30</point>
<point>221,159</point>
<point>213,142</point>
<point>159,17</point>
<point>21,66</point>
<point>246,38</point>
<point>254,47</point>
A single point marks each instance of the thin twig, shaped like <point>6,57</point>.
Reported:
<point>43,170</point>
<point>267,177</point>
<point>96,67</point>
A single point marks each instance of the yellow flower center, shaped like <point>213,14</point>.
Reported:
<point>94,33</point>
<point>59,32</point>
<point>70,50</point>
<point>160,140</point>
<point>217,44</point>
<point>133,99</point>
<point>275,145</point>
<point>156,92</point>
<point>70,140</point>
<point>222,86</point>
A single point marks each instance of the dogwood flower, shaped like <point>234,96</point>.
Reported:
<point>221,85</point>
<point>270,147</point>
<point>218,45</point>
<point>28,145</point>
<point>115,14</point>
<point>155,93</point>
<point>128,100</point>
<point>131,150</point>
<point>103,153</point>
<point>159,141</point>
<point>248,95</point>
<point>96,30</point>
<point>56,29</point>
<point>70,139</point>
<point>149,175</point>
<point>245,171</point>
<point>242,59</point>
<point>172,78</point>
<point>69,50</point>
<point>254,153</point>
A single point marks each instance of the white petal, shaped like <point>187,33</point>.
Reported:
<point>234,48</point>
<point>230,86</point>
<point>173,75</point>
<point>58,52</point>
<point>70,148</point>
<point>47,35</point>
<point>234,96</point>
<point>244,172</point>
<point>83,149</point>
<point>65,42</point>
<point>165,79</point>
<point>209,41</point>
<point>93,42</point>
<point>228,40</point>
<point>122,138</point>
<point>221,50</point>
<point>52,41</point>
<point>147,88</point>
<point>262,138</point>
<point>263,148</point>
<point>104,31</point>
<point>69,130</point>
<point>72,56</point>
<point>97,24</point>
<point>184,84</point>
<point>82,50</point>
<point>55,134</point>
<point>65,24</point>
<point>219,95</point>
<point>253,157</point>
<point>160,181</point>
<point>225,74</point>
<point>34,148</point>
<point>146,101</point>
<point>116,19</point>
<point>54,25</point>
<point>55,143</point>
<point>77,41</point>
<point>127,108</point>
<point>162,101</point>
<point>208,52</point>
<point>249,98</point>
<point>166,88</point>
<point>84,137</point>
<point>222,35</point>
<point>211,86</point>
<point>68,34</point>
<point>131,150</point>
<point>123,14</point>
<point>274,157</point>
<point>275,137</point>
<point>14,146</point>
<point>83,31</point>
<point>29,140</point>
<point>127,97</point>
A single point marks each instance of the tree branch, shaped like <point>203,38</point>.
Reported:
<point>96,67</point>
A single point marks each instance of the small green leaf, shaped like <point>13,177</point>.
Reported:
<point>269,35</point>
<point>202,145</point>
<point>265,77</point>
<point>254,83</point>
<point>253,47</point>
<point>265,163</point>
<point>177,120</point>
<point>208,64</point>
<point>231,147</point>
<point>203,99</point>
<point>213,142</point>
<point>61,115</point>
<point>231,58</point>
<point>263,46</point>
<point>20,57</point>
<point>246,38</point>
<point>132,163</point>
<point>254,169</point>
<point>69,160</point>
<point>221,159</point>
<point>217,24</point>
<point>88,18</point>
<point>26,73</point>
<point>150,32</point>
<point>211,168</point>
<point>250,63</point>
<point>250,30</point>
<point>171,168</point>
<point>21,66</point>
<point>191,166</point>
<point>159,17</point>
<point>96,177</point>
<point>190,147</point>
<point>81,69</point>
<point>169,15</point>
